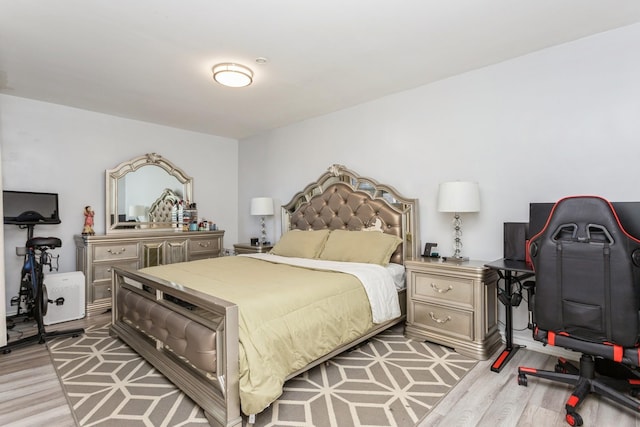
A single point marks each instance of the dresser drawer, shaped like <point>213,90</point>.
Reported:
<point>116,251</point>
<point>102,291</point>
<point>201,246</point>
<point>433,287</point>
<point>102,271</point>
<point>442,320</point>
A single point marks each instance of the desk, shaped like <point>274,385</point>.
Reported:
<point>510,271</point>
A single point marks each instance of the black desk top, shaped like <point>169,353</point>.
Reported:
<point>510,265</point>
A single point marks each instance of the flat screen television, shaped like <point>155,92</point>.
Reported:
<point>27,207</point>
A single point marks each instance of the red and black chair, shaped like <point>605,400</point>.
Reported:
<point>587,299</point>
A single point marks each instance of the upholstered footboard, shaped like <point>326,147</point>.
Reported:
<point>190,337</point>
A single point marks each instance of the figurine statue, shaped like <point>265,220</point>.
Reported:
<point>88,221</point>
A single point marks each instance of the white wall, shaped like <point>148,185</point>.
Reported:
<point>560,121</point>
<point>557,122</point>
<point>52,148</point>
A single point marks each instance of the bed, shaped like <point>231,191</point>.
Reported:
<point>230,331</point>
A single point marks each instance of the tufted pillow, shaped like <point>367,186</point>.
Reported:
<point>301,244</point>
<point>360,246</point>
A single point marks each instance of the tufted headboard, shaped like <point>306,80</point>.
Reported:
<point>341,199</point>
<point>161,209</point>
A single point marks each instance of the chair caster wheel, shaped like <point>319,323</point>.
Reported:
<point>522,380</point>
<point>6,351</point>
<point>573,419</point>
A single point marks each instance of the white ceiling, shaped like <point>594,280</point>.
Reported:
<point>151,60</point>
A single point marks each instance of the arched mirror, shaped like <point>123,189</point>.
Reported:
<point>141,192</point>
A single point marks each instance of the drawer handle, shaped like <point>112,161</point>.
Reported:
<point>204,245</point>
<point>121,251</point>
<point>440,321</point>
<point>441,291</point>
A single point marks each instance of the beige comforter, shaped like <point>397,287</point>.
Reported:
<point>289,316</point>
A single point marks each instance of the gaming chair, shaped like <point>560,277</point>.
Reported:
<point>587,299</point>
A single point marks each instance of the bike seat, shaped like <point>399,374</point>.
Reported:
<point>44,242</point>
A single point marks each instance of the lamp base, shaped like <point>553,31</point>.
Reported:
<point>455,258</point>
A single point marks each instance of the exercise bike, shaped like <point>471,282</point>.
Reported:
<point>35,291</point>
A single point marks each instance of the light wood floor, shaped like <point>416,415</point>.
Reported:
<point>487,399</point>
<point>30,392</point>
<point>31,395</point>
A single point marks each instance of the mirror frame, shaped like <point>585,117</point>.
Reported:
<point>111,191</point>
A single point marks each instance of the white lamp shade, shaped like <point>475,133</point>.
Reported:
<point>136,210</point>
<point>262,206</point>
<point>459,196</point>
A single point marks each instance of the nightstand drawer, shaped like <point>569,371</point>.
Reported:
<point>113,252</point>
<point>433,287</point>
<point>442,320</point>
<point>102,291</point>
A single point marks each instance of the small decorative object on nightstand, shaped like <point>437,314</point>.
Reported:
<point>453,304</point>
<point>246,248</point>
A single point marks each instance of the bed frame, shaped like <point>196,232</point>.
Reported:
<point>192,338</point>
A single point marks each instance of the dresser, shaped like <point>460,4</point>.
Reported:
<point>96,255</point>
<point>453,304</point>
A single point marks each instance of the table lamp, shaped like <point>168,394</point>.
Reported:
<point>262,206</point>
<point>137,212</point>
<point>457,197</point>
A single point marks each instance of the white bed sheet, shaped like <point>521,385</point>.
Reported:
<point>398,273</point>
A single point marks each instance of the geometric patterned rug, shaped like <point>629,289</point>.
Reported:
<point>388,381</point>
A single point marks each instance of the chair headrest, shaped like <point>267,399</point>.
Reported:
<point>584,218</point>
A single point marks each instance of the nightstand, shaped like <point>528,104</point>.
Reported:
<point>453,304</point>
<point>245,248</point>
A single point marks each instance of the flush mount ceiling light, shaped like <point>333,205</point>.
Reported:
<point>232,75</point>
